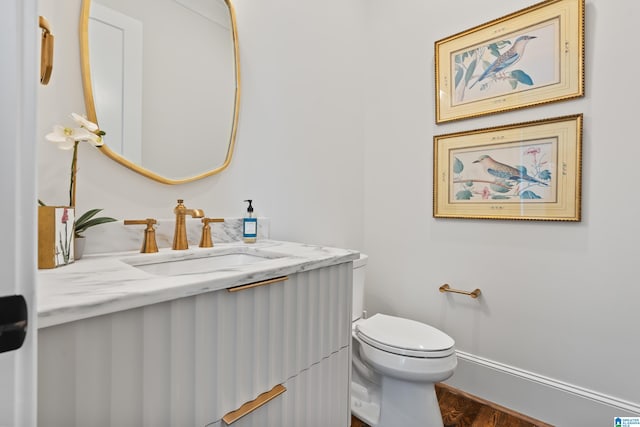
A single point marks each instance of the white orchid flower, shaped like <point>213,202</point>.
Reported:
<point>68,138</point>
<point>65,137</point>
<point>85,135</point>
<point>93,132</point>
<point>83,122</point>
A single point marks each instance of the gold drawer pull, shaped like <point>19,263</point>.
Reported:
<point>252,405</point>
<point>256,284</point>
<point>473,294</point>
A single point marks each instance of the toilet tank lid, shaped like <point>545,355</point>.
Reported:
<point>405,334</point>
<point>360,262</point>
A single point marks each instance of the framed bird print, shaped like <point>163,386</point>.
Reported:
<point>531,57</point>
<point>526,171</point>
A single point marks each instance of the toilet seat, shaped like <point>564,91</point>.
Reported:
<point>404,337</point>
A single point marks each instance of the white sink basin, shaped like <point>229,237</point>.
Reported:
<point>200,265</point>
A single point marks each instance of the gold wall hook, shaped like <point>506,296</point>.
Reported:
<point>206,241</point>
<point>473,294</point>
<point>46,51</point>
<point>149,244</point>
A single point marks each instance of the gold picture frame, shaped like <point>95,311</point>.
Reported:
<point>530,57</point>
<point>525,171</point>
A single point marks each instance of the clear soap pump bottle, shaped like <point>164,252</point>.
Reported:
<point>249,225</point>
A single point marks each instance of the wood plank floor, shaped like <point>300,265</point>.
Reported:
<point>460,409</point>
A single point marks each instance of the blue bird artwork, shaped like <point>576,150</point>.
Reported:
<point>492,180</point>
<point>504,171</point>
<point>507,60</point>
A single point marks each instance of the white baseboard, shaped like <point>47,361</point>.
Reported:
<point>547,399</point>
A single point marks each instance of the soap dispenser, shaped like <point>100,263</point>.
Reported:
<point>249,225</point>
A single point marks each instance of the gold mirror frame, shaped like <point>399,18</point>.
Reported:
<point>91,109</point>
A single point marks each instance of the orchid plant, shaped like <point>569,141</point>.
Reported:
<point>68,138</point>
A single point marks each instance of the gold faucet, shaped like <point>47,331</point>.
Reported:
<point>206,241</point>
<point>180,236</point>
<point>149,244</point>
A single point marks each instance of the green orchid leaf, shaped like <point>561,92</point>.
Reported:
<point>91,223</point>
<point>87,220</point>
<point>87,216</point>
<point>94,222</point>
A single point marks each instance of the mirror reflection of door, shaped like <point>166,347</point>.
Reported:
<point>163,76</point>
<point>117,78</point>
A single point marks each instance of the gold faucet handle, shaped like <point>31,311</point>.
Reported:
<point>205,240</point>
<point>149,244</point>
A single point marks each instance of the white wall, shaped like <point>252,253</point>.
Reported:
<point>300,137</point>
<point>560,300</point>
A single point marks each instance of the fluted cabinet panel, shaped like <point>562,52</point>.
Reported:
<point>189,361</point>
<point>317,308</point>
<point>182,377</point>
<point>126,366</point>
<point>156,356</point>
<point>316,397</point>
<point>55,386</point>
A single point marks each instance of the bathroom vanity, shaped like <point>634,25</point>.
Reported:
<point>201,337</point>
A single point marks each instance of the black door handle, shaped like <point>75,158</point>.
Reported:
<point>13,322</point>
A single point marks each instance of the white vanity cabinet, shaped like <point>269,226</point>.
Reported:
<point>190,361</point>
<point>311,399</point>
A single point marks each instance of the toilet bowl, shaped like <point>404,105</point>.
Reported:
<point>396,363</point>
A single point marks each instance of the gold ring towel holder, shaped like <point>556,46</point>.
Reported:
<point>46,51</point>
<point>473,294</point>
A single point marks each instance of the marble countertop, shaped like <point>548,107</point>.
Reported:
<point>103,284</point>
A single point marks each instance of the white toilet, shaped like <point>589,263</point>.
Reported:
<point>396,363</point>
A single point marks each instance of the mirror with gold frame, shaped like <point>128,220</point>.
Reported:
<point>162,79</point>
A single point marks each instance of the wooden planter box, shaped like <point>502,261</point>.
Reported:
<point>55,236</point>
